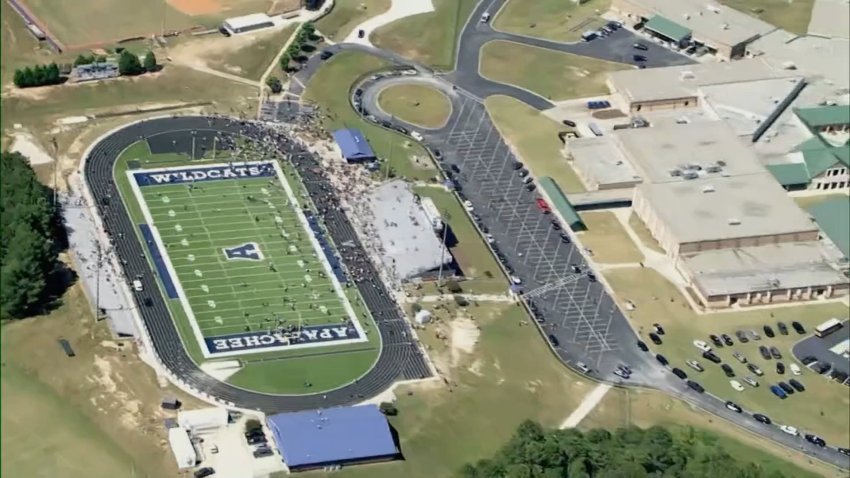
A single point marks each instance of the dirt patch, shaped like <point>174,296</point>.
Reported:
<point>608,114</point>
<point>464,336</point>
<point>279,7</point>
<point>26,145</point>
<point>196,7</point>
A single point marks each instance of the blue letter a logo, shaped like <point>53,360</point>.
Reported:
<point>249,251</point>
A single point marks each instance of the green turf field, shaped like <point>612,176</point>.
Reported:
<point>231,295</point>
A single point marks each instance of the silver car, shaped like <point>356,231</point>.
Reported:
<point>740,357</point>
<point>751,381</point>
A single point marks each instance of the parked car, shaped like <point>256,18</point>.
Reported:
<point>822,367</point>
<point>798,327</point>
<point>727,370</point>
<point>789,430</point>
<point>326,54</point>
<point>736,385</point>
<point>662,359</point>
<point>695,386</point>
<point>711,356</point>
<point>797,385</point>
<point>762,418</point>
<point>755,369</point>
<point>774,352</point>
<point>780,368</point>
<point>774,389</point>
<point>795,369</point>
<point>786,388</point>
<point>734,407</point>
<point>640,46</point>
<point>621,373</point>
<point>639,58</point>
<point>556,225</point>
<point>768,331</point>
<point>751,381</point>
<point>642,346</point>
<point>554,340</point>
<point>754,335</point>
<point>844,451</point>
<point>808,360</point>
<point>742,336</point>
<point>204,472</point>
<point>765,352</point>
<point>565,239</point>
<point>783,329</point>
<point>569,123</point>
<point>517,165</point>
<point>815,440</point>
<point>680,373</point>
<point>727,340</point>
<point>739,357</point>
<point>658,329</point>
<point>655,338</point>
<point>695,365</point>
<point>715,340</point>
<point>262,452</point>
<point>702,346</point>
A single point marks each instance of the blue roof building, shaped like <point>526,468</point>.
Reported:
<point>353,145</point>
<point>333,436</point>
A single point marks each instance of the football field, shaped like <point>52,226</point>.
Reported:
<point>253,273</point>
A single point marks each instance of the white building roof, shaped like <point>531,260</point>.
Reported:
<point>601,161</point>
<point>407,237</point>
<point>203,419</point>
<point>753,269</point>
<point>182,448</point>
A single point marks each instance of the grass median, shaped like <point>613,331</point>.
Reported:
<point>416,104</point>
<point>551,19</point>
<point>347,14</point>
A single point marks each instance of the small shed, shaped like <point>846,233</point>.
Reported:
<point>170,403</point>
<point>422,317</point>
<point>353,145</point>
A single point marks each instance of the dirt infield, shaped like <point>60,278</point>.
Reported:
<point>196,7</point>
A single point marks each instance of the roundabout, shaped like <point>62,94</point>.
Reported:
<point>417,103</point>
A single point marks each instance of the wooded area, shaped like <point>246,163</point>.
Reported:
<point>534,452</point>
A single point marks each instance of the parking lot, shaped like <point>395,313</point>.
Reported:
<point>572,307</point>
<point>831,350</point>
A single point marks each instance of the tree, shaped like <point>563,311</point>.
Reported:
<point>129,64</point>
<point>19,80</point>
<point>453,286</point>
<point>150,62</point>
<point>285,59</point>
<point>388,409</point>
<point>53,76</point>
<point>84,60</point>
<point>30,225</point>
<point>274,84</point>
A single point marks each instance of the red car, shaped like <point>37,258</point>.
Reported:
<point>541,203</point>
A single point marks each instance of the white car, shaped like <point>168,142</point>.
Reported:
<point>751,381</point>
<point>789,430</point>
<point>137,285</point>
<point>485,17</point>
<point>516,280</point>
<point>702,346</point>
<point>415,135</point>
<point>695,365</point>
<point>490,238</point>
<point>468,205</point>
<point>736,385</point>
<point>795,369</point>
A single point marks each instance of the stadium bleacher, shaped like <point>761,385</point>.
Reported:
<point>333,260</point>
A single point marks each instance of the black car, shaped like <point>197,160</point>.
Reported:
<point>530,187</point>
<point>844,451</point>
<point>565,239</point>
<point>797,385</point>
<point>554,340</point>
<point>148,302</point>
<point>257,432</point>
<point>768,331</point>
<point>754,368</point>
<point>727,340</point>
<point>734,407</point>
<point>728,370</point>
<point>523,173</point>
<point>765,353</point>
<point>783,329</point>
<point>437,154</point>
<point>326,54</point>
<point>591,277</point>
<point>786,388</point>
<point>575,269</point>
<point>823,367</point>
<point>256,440</point>
<point>662,359</point>
<point>263,451</point>
<point>655,339</point>
<point>780,368</point>
<point>798,327</point>
<point>569,123</point>
<point>517,165</point>
<point>695,386</point>
<point>642,346</point>
<point>638,58</point>
<point>762,418</point>
<point>361,33</point>
<point>204,472</point>
<point>714,339</point>
<point>712,357</point>
<point>742,336</point>
<point>680,373</point>
<point>640,46</point>
<point>808,360</point>
<point>775,353</point>
<point>454,168</point>
<point>556,225</point>
<point>658,329</point>
<point>815,440</point>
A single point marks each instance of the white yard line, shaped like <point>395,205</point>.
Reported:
<point>591,400</point>
<point>398,10</point>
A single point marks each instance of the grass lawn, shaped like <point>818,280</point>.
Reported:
<point>347,14</point>
<point>555,75</point>
<point>823,408</point>
<point>534,138</point>
<point>646,408</point>
<point>252,60</point>
<point>643,233</point>
<point>38,108</point>
<point>493,390</point>
<point>330,87</point>
<point>791,15</point>
<point>417,104</point>
<point>553,19</point>
<point>470,252</point>
<point>100,409</point>
<point>429,38</point>
<point>19,47</point>
<point>606,237</point>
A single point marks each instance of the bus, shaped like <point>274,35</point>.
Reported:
<point>828,327</point>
